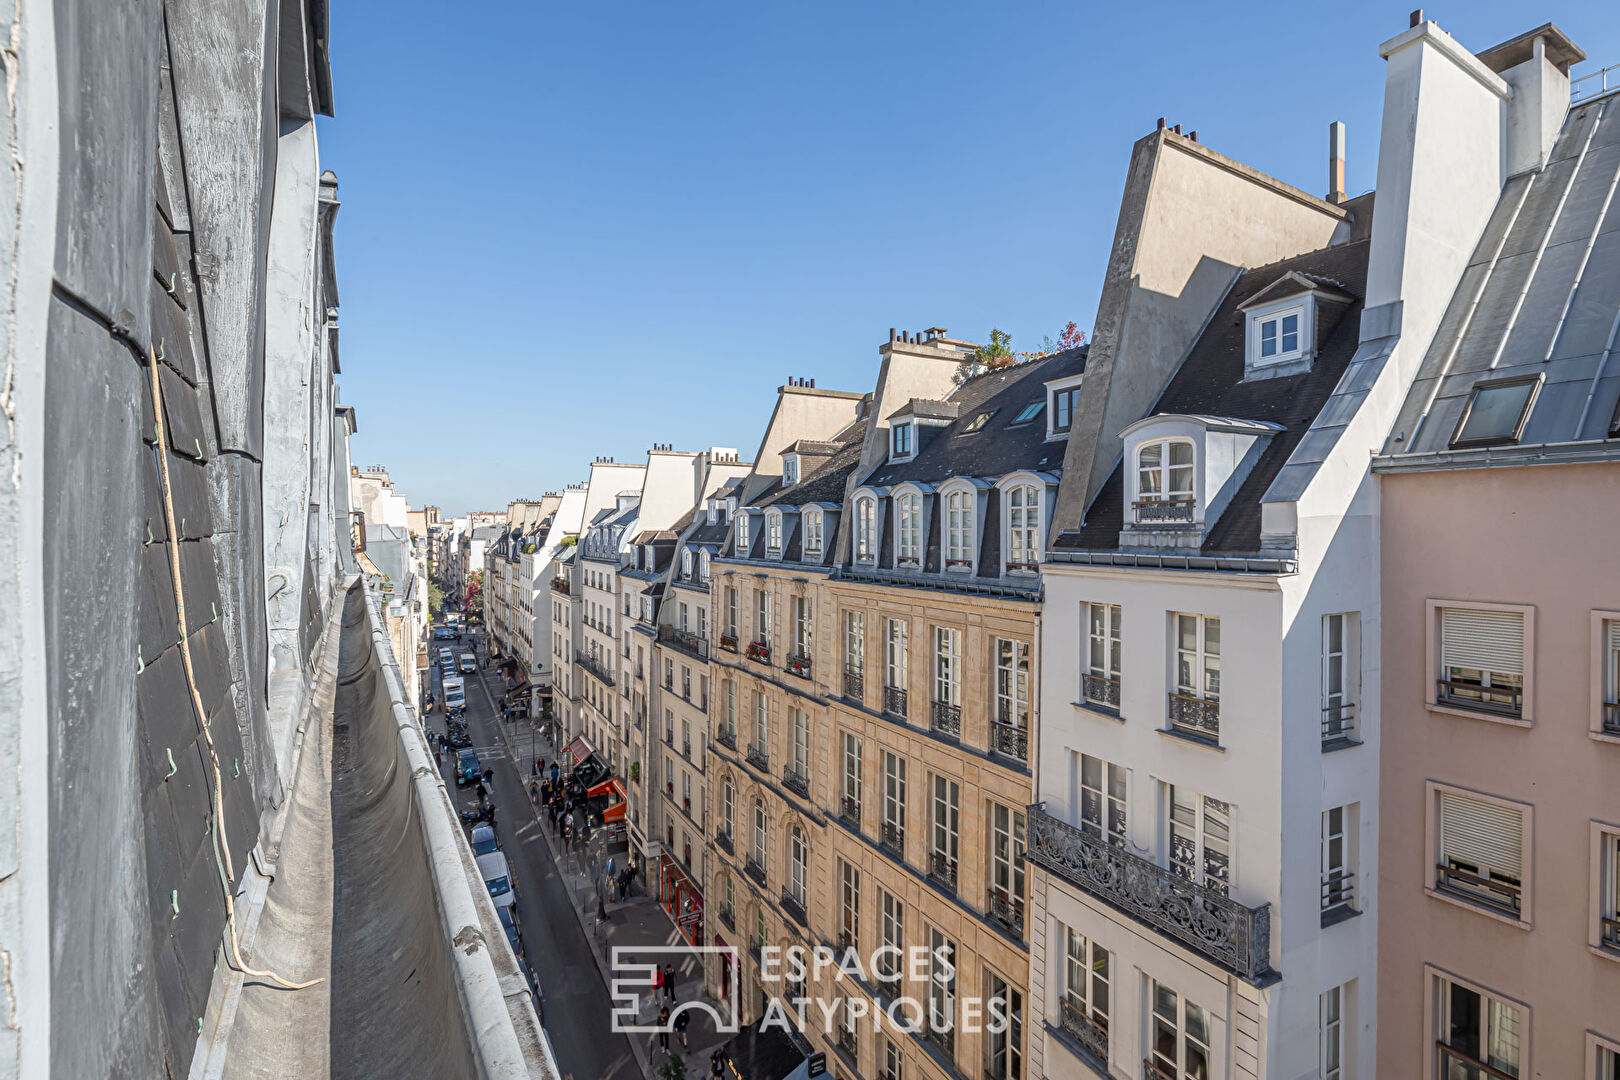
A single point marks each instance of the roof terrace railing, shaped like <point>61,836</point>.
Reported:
<point>1594,84</point>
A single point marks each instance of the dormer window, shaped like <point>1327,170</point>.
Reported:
<point>908,537</point>
<point>901,441</point>
<point>773,534</point>
<point>1278,337</point>
<point>1280,324</point>
<point>865,529</point>
<point>1028,413</point>
<point>1023,528</point>
<point>742,535</point>
<point>703,567</point>
<point>812,535</point>
<point>1496,412</point>
<point>1164,480</point>
<point>959,530</point>
<point>1062,395</point>
<point>712,513</point>
<point>790,470</point>
<point>686,563</point>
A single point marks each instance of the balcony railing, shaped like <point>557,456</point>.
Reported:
<point>849,811</point>
<point>794,908</point>
<point>723,839</point>
<point>893,840</point>
<point>760,651</point>
<point>946,719</point>
<point>798,664</point>
<point>894,701</point>
<point>942,870</point>
<point>1092,1036</point>
<point>1198,717</point>
<point>1503,700</point>
<point>1490,891</point>
<point>1206,921</point>
<point>728,642</point>
<point>1338,723</point>
<point>727,737</point>
<point>1456,1065</point>
<point>1338,896</point>
<point>1611,718</point>
<point>1609,932</point>
<point>754,870</point>
<point>1100,690</point>
<point>559,585</point>
<point>594,666</point>
<point>1009,741</point>
<point>726,918</point>
<point>795,779</point>
<point>1163,511</point>
<point>684,640</point>
<point>845,1041</point>
<point>759,757</point>
<point>1006,910</point>
<point>854,686</point>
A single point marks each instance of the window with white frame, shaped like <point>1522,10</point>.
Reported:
<point>1007,839</point>
<point>800,762</point>
<point>1609,668</point>
<point>852,776</point>
<point>1480,854</point>
<point>1087,999</point>
<point>798,858</point>
<point>743,541</point>
<point>865,529</point>
<point>941,982</point>
<point>1340,676</point>
<point>959,530</point>
<point>1004,1052</point>
<point>908,531</point>
<point>703,567</point>
<point>802,627</point>
<point>1200,838</point>
<point>947,666</point>
<point>761,833</point>
<point>894,800</point>
<point>849,905</point>
<point>891,936</point>
<point>1179,1037</point>
<point>1061,403</point>
<point>1164,481</point>
<point>683,621</point>
<point>1605,1057</point>
<point>1102,799</point>
<point>855,642</point>
<point>894,639</point>
<point>731,612</point>
<point>762,616</point>
<point>1100,681</point>
<point>945,828</point>
<point>773,534</point>
<point>812,534</point>
<point>728,808</point>
<point>762,724</point>
<point>1338,862</point>
<point>1330,1030</point>
<point>1197,675</point>
<point>901,445</point>
<point>1023,527</point>
<point>1482,660</point>
<point>731,709</point>
<point>1277,336</point>
<point>686,563</point>
<point>703,622</point>
<point>1607,898</point>
<point>1009,732</point>
<point>790,470</point>
<point>1476,1031</point>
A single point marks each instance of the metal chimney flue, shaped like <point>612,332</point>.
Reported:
<point>1336,192</point>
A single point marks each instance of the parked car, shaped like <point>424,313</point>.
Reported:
<point>483,840</point>
<point>468,771</point>
<point>443,633</point>
<point>469,663</point>
<point>497,878</point>
<point>455,694</point>
<point>514,933</point>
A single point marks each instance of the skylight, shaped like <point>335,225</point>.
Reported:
<point>1029,412</point>
<point>1496,412</point>
<point>978,422</point>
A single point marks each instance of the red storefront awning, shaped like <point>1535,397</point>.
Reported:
<point>578,750</point>
<point>610,788</point>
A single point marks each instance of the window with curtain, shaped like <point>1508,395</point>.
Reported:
<point>908,533</point>
<point>1023,527</point>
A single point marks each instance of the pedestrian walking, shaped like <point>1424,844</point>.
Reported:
<point>658,982</point>
<point>669,981</point>
<point>663,1029</point>
<point>680,1025</point>
<point>554,772</point>
<point>717,1063</point>
<point>534,792</point>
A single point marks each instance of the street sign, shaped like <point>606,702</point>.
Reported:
<point>691,917</point>
<point>817,1063</point>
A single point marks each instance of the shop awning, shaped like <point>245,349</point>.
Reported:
<point>578,750</point>
<point>608,799</point>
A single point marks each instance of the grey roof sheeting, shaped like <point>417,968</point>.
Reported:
<point>1000,446</point>
<point>1540,298</point>
<point>1210,382</point>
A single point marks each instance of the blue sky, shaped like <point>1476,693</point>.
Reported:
<point>580,229</point>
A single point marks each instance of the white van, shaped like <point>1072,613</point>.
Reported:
<point>497,878</point>
<point>469,663</point>
<point>455,693</point>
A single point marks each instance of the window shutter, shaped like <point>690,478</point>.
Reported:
<point>1484,834</point>
<point>1487,640</point>
<point>1614,635</point>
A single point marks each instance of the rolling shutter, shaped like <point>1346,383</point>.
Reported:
<point>1480,833</point>
<point>1614,635</point>
<point>1486,640</point>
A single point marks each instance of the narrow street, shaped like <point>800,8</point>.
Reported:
<point>576,1002</point>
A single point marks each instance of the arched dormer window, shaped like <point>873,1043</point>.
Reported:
<point>686,563</point>
<point>703,567</point>
<point>1164,480</point>
<point>1023,527</point>
<point>812,534</point>
<point>908,529</point>
<point>865,529</point>
<point>959,530</point>
<point>773,533</point>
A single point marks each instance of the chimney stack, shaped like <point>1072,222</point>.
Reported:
<point>1417,19</point>
<point>1336,162</point>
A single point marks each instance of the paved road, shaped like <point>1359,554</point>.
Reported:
<point>577,1006</point>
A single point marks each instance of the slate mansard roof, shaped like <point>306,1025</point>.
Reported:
<point>1210,383</point>
<point>1540,299</point>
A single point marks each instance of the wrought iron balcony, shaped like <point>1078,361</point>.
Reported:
<point>946,719</point>
<point>1163,511</point>
<point>754,870</point>
<point>726,918</point>
<point>1092,1036</point>
<point>854,686</point>
<point>1338,724</point>
<point>1198,717</point>
<point>1502,700</point>
<point>795,779</point>
<point>1009,741</point>
<point>759,757</point>
<point>594,666</point>
<point>794,908</point>
<point>684,640</point>
<point>727,737</point>
<point>1008,911</point>
<point>893,840</point>
<point>760,651</point>
<point>798,664</point>
<point>1205,920</point>
<point>849,812</point>
<point>723,840</point>
<point>1100,690</point>
<point>942,870</point>
<point>894,701</point>
<point>845,1041</point>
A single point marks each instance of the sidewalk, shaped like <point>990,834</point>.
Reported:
<point>634,923</point>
